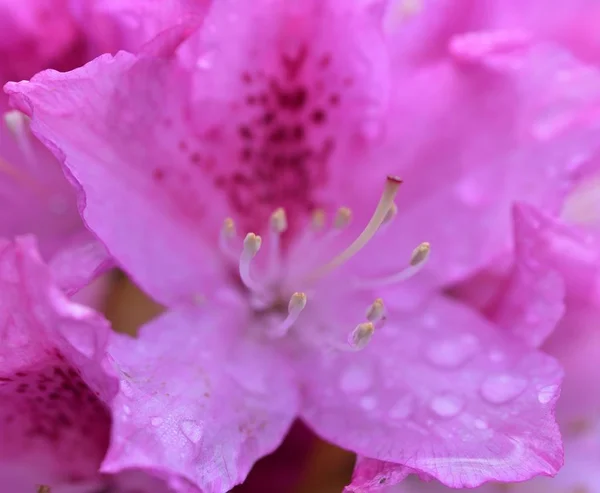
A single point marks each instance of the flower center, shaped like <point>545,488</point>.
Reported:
<point>274,285</point>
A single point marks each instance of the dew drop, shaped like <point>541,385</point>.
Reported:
<point>368,403</point>
<point>403,407</point>
<point>447,405</point>
<point>126,409</point>
<point>500,389</point>
<point>156,421</point>
<point>546,394</point>
<point>356,379</point>
<point>451,353</point>
<point>192,430</point>
<point>480,424</point>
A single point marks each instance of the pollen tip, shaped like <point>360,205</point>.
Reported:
<point>343,217</point>
<point>297,302</point>
<point>361,335</point>
<point>252,243</point>
<point>394,179</point>
<point>376,311</point>
<point>228,228</point>
<point>279,220</point>
<point>318,219</point>
<point>14,120</point>
<point>420,254</point>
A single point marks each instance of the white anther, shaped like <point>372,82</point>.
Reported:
<point>318,219</point>
<point>376,311</point>
<point>420,254</point>
<point>343,216</point>
<point>228,229</point>
<point>279,221</point>
<point>252,243</point>
<point>296,304</point>
<point>361,335</point>
<point>15,121</point>
<point>417,261</point>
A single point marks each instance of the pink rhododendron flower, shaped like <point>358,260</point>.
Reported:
<point>56,386</point>
<point>241,181</point>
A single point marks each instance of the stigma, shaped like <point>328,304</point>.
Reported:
<point>275,279</point>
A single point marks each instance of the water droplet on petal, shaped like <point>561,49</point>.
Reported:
<point>451,353</point>
<point>403,407</point>
<point>499,389</point>
<point>368,403</point>
<point>156,421</point>
<point>447,405</point>
<point>192,430</point>
<point>126,409</point>
<point>356,379</point>
<point>480,424</point>
<point>546,394</point>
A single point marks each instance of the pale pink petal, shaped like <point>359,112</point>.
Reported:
<point>580,474</point>
<point>55,389</point>
<point>533,299</point>
<point>81,259</point>
<point>197,401</point>
<point>169,259</point>
<point>474,132</point>
<point>36,198</point>
<point>443,392</point>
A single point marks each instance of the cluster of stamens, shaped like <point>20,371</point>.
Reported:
<point>268,294</point>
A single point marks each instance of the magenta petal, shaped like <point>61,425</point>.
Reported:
<point>531,141</point>
<point>54,419</point>
<point>533,301</point>
<point>146,185</point>
<point>81,259</point>
<point>443,392</point>
<point>197,401</point>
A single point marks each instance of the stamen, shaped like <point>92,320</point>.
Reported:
<point>17,124</point>
<point>226,238</point>
<point>252,243</point>
<point>318,219</point>
<point>418,259</point>
<point>390,214</point>
<point>278,226</point>
<point>361,335</point>
<point>420,254</point>
<point>295,306</point>
<point>343,217</point>
<point>385,202</point>
<point>375,311</point>
<point>279,221</point>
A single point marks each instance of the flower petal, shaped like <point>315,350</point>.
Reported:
<point>443,392</point>
<point>473,134</point>
<point>197,401</point>
<point>54,419</point>
<point>108,155</point>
